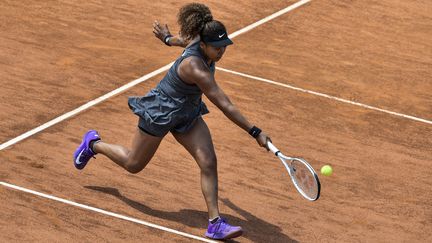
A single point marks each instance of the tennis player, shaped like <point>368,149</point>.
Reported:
<point>175,106</point>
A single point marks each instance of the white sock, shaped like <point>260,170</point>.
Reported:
<point>214,220</point>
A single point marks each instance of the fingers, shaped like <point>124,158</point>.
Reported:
<point>264,145</point>
<point>269,140</point>
<point>157,31</point>
<point>160,31</point>
<point>156,27</point>
<point>262,141</point>
<point>160,27</point>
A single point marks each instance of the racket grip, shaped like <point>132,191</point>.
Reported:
<point>272,148</point>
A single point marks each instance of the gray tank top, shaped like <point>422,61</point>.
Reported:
<point>173,105</point>
<point>173,86</point>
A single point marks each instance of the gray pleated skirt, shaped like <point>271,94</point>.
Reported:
<point>159,113</point>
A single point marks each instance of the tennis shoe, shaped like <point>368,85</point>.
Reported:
<point>221,230</point>
<point>84,153</point>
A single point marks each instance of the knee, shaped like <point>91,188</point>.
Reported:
<point>208,165</point>
<point>135,166</point>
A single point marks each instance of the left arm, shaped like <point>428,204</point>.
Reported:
<point>162,33</point>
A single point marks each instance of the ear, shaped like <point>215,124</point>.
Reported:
<point>202,45</point>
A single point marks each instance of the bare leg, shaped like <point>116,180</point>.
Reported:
<point>199,144</point>
<point>143,148</point>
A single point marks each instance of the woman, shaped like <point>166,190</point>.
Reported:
<point>175,106</point>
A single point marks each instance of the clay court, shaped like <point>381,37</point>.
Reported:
<point>373,60</point>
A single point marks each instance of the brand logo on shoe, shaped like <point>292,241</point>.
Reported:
<point>77,161</point>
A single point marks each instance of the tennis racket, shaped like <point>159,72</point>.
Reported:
<point>302,174</point>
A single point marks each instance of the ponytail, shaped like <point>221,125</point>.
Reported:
<point>192,19</point>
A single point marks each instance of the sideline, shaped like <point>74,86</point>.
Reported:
<point>98,210</point>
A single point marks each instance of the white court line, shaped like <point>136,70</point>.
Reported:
<point>84,107</point>
<point>136,82</point>
<point>326,96</point>
<point>109,95</point>
<point>266,19</point>
<point>98,210</point>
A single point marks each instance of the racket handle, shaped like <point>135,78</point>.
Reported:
<point>272,148</point>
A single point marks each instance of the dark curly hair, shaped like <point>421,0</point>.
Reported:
<point>192,18</point>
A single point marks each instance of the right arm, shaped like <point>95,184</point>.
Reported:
<point>194,70</point>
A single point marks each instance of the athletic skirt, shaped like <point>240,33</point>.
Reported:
<point>159,113</point>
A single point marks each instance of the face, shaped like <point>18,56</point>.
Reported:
<point>211,52</point>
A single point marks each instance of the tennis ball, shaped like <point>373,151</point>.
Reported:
<point>326,170</point>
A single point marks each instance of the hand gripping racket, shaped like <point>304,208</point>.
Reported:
<point>302,174</point>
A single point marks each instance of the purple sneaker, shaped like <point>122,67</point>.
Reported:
<point>221,230</point>
<point>84,153</point>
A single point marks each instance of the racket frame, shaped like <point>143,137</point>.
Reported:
<point>289,168</point>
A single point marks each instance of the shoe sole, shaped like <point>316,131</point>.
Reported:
<point>233,235</point>
<point>229,236</point>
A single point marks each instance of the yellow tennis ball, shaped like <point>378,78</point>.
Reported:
<point>326,170</point>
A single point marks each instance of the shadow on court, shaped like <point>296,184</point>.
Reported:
<point>256,230</point>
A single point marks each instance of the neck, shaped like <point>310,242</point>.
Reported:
<point>207,60</point>
<point>194,40</point>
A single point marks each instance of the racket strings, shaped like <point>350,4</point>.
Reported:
<point>304,179</point>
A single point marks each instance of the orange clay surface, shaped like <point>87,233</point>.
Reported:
<point>58,55</point>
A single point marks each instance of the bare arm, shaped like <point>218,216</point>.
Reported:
<point>194,70</point>
<point>162,32</point>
